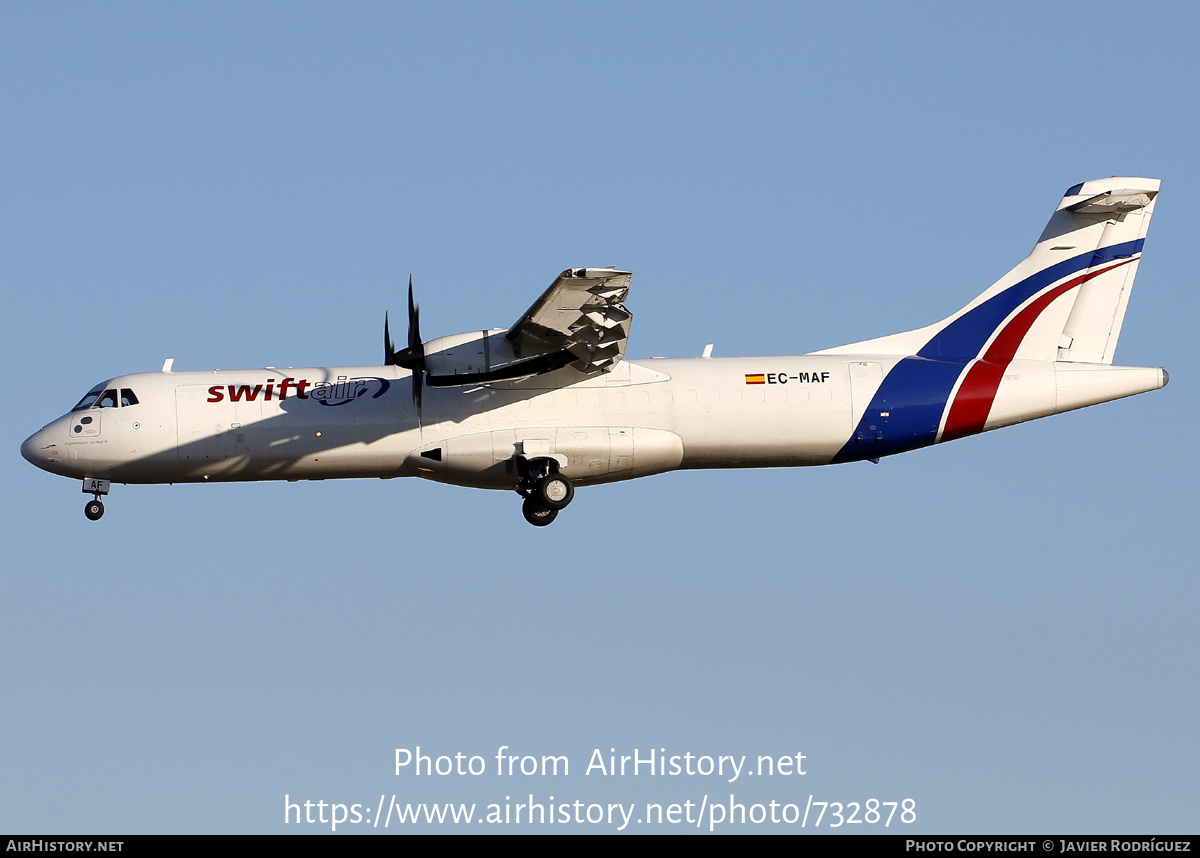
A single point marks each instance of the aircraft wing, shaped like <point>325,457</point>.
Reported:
<point>581,313</point>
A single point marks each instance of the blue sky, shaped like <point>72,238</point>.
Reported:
<point>1001,628</point>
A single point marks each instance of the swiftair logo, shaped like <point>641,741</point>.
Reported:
<point>329,393</point>
<point>346,390</point>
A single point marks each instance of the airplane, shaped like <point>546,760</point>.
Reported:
<point>551,403</point>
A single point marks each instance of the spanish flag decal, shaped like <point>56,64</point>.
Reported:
<point>756,379</point>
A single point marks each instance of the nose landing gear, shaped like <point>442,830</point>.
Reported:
<point>546,491</point>
<point>93,509</point>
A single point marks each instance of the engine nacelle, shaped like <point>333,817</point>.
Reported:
<point>472,353</point>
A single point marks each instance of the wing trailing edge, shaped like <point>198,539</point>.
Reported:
<point>581,313</point>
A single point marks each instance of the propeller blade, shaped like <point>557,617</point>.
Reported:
<point>389,348</point>
<point>414,322</point>
<point>413,357</point>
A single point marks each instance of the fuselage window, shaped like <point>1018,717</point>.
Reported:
<point>108,399</point>
<point>128,398</point>
<point>89,398</point>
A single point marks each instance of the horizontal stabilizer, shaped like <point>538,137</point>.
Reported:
<point>1113,202</point>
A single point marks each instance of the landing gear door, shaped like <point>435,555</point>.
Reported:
<point>587,450</point>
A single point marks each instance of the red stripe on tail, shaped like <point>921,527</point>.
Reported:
<point>973,402</point>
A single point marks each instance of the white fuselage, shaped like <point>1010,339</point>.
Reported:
<point>644,417</point>
<point>551,402</point>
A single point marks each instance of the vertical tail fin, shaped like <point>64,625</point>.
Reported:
<point>1065,301</point>
<point>1093,326</point>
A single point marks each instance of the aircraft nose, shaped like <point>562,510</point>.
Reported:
<point>34,449</point>
<point>29,447</point>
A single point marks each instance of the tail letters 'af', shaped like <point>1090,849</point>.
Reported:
<point>552,404</point>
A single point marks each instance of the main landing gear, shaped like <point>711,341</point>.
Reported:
<point>545,491</point>
<point>536,514</point>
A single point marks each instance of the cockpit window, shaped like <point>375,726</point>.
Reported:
<point>127,397</point>
<point>108,399</point>
<point>89,398</point>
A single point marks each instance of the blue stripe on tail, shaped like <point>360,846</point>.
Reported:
<point>966,335</point>
<point>914,394</point>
